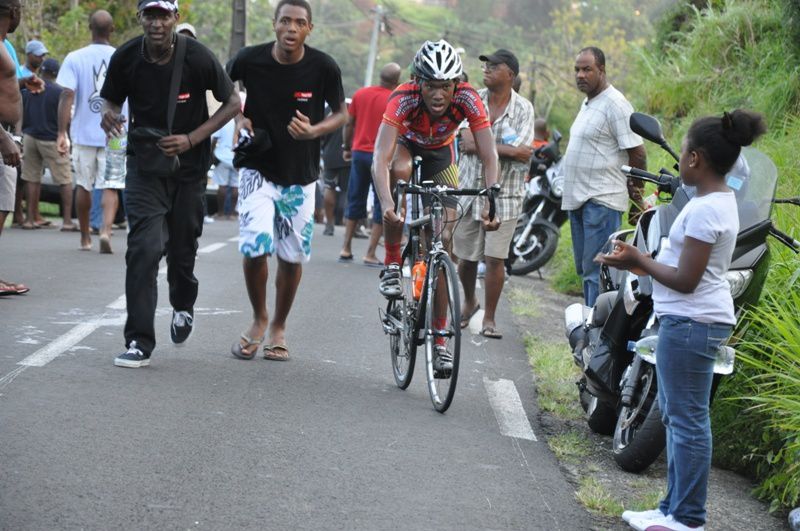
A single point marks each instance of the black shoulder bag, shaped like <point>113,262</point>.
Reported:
<point>150,160</point>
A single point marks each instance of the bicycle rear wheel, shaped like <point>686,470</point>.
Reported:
<point>444,333</point>
<point>403,340</point>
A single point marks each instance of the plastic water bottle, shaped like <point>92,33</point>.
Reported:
<point>116,148</point>
<point>508,135</point>
<point>418,278</point>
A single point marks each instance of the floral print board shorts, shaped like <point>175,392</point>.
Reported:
<point>275,219</point>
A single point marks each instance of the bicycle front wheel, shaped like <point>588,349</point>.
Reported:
<point>442,331</point>
<point>403,340</point>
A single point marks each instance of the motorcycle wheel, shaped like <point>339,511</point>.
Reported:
<point>600,417</point>
<point>543,241</point>
<point>640,436</point>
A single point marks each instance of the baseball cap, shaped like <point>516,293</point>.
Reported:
<point>185,26</point>
<point>50,65</point>
<point>166,5</point>
<point>36,48</point>
<point>502,56</point>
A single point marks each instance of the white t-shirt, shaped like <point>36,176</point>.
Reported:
<point>598,140</point>
<point>712,218</point>
<point>224,148</point>
<point>84,72</point>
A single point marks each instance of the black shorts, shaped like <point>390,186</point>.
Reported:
<point>438,165</point>
<point>336,179</point>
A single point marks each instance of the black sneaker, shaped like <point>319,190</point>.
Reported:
<point>133,358</point>
<point>181,327</point>
<point>390,282</point>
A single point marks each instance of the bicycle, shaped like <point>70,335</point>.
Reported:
<point>409,320</point>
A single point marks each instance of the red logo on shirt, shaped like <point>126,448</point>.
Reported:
<point>182,98</point>
<point>303,96</point>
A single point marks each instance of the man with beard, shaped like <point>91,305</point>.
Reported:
<point>165,209</point>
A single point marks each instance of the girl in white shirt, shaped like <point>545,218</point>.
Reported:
<point>695,311</point>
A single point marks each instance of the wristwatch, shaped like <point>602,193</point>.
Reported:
<point>345,147</point>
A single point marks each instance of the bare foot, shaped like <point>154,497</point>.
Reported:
<point>86,242</point>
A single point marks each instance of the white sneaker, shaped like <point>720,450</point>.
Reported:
<point>668,523</point>
<point>638,520</point>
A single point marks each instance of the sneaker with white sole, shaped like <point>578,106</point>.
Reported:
<point>182,325</point>
<point>638,520</point>
<point>133,358</point>
<point>668,523</point>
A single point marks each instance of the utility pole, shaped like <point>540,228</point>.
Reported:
<point>379,12</point>
<point>238,25</point>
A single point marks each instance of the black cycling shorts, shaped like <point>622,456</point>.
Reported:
<point>438,165</point>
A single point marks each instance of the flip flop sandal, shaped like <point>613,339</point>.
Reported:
<point>466,318</point>
<point>238,349</point>
<point>345,259</point>
<point>10,288</point>
<point>276,352</point>
<point>69,228</point>
<point>41,224</point>
<point>370,263</point>
<point>491,332</point>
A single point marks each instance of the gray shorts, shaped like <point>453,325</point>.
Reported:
<point>8,187</point>
<point>472,243</point>
<point>225,175</point>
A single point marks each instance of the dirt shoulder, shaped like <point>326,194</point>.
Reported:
<point>585,457</point>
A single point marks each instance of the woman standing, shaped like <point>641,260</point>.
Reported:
<point>692,300</point>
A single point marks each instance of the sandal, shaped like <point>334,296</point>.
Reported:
<point>466,318</point>
<point>238,349</point>
<point>491,332</point>
<point>10,288</point>
<point>276,352</point>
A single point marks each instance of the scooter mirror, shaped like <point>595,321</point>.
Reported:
<point>648,127</point>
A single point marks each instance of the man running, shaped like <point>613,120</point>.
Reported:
<point>421,119</point>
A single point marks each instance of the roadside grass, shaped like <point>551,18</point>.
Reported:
<point>555,375</point>
<point>571,446</point>
<point>597,498</point>
<point>523,302</point>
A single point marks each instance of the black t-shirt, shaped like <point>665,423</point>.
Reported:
<point>40,112</point>
<point>274,92</point>
<point>146,86</point>
<point>332,150</point>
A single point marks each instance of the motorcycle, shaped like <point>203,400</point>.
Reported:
<point>539,224</point>
<point>614,342</point>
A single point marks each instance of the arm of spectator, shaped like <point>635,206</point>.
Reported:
<point>9,150</point>
<point>301,128</point>
<point>347,137</point>
<point>65,101</point>
<point>176,144</point>
<point>467,143</point>
<point>521,153</point>
<point>112,120</point>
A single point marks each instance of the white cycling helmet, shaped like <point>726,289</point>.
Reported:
<point>438,61</point>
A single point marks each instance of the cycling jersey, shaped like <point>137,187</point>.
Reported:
<point>406,111</point>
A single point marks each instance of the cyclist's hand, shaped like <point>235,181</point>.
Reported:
<point>492,225</point>
<point>391,218</point>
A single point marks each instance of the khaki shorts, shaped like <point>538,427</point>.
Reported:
<point>8,187</point>
<point>39,153</point>
<point>472,243</point>
<point>90,165</point>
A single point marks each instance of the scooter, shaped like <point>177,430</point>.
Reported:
<point>539,224</point>
<point>614,342</point>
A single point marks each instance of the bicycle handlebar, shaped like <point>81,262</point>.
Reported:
<point>432,189</point>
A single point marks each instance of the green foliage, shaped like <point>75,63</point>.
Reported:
<point>565,279</point>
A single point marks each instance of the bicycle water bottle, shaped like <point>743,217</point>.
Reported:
<point>116,147</point>
<point>418,278</point>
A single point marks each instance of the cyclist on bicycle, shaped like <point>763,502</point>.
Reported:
<point>422,119</point>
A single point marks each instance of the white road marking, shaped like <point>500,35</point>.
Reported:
<point>508,410</point>
<point>235,239</point>
<point>46,354</point>
<point>118,304</point>
<point>211,248</point>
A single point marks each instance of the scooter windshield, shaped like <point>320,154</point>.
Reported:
<point>753,179</point>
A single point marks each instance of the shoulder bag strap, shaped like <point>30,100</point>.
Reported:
<point>175,81</point>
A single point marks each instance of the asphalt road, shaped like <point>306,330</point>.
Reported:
<point>201,440</point>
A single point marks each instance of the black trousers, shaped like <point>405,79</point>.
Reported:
<point>164,215</point>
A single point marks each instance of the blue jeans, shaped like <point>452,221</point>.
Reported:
<point>591,225</point>
<point>96,212</point>
<point>685,370</point>
<point>358,189</point>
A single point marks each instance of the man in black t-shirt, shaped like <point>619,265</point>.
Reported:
<point>140,70</point>
<point>288,84</point>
